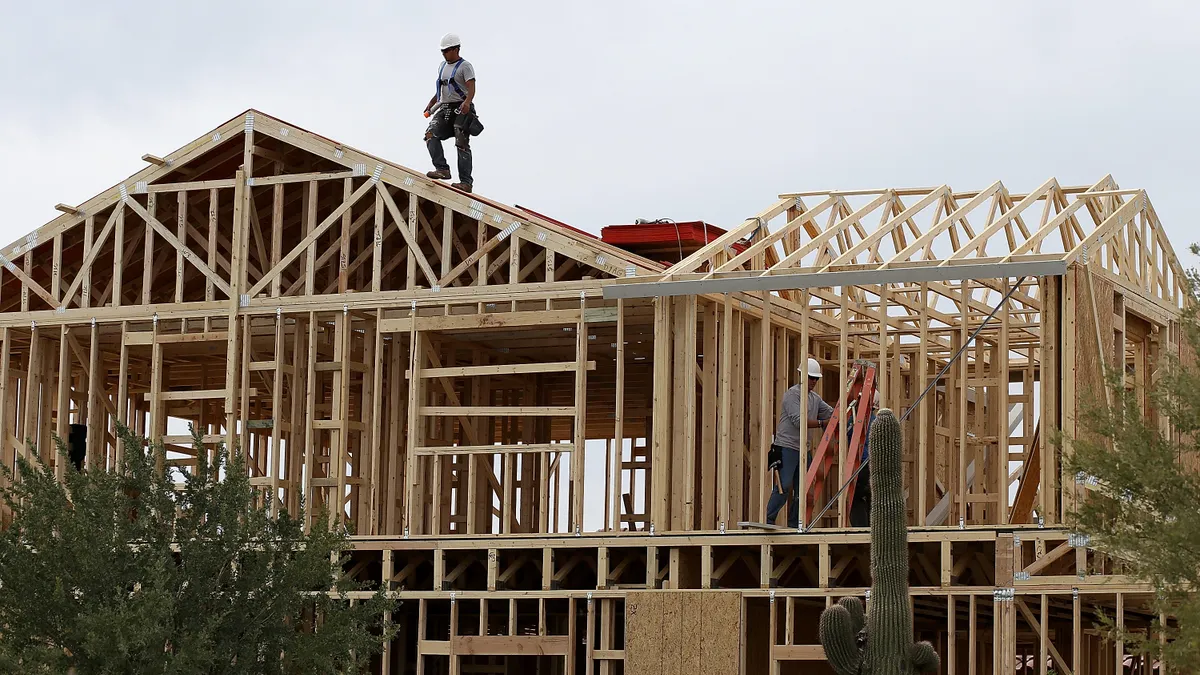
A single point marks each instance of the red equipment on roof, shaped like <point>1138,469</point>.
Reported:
<point>664,241</point>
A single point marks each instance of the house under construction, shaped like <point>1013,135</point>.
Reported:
<point>549,444</point>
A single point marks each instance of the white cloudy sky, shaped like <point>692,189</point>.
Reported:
<point>599,113</point>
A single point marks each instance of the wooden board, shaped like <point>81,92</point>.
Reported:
<point>643,633</point>
<point>696,632</point>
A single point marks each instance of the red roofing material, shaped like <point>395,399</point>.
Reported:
<point>693,232</point>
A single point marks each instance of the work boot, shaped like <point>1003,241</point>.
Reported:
<point>465,187</point>
<point>440,174</point>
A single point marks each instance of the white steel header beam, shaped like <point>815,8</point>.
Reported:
<point>862,277</point>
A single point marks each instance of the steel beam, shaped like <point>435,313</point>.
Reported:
<point>860,277</point>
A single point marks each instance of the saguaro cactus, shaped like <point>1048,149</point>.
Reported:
<point>885,645</point>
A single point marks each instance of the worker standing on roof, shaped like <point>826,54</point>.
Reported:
<point>452,113</point>
<point>790,434</point>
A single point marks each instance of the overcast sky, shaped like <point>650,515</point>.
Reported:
<point>686,110</point>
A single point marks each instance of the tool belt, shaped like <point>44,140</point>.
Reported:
<point>468,120</point>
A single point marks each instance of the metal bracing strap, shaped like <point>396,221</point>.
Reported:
<point>929,387</point>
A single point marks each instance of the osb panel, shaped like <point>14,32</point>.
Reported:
<point>683,632</point>
<point>643,633</point>
<point>672,633</point>
<point>721,628</point>
<point>691,629</point>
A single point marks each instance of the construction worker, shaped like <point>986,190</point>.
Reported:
<point>452,113</point>
<point>790,433</point>
<point>860,509</point>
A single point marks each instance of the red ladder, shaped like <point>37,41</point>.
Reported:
<point>861,395</point>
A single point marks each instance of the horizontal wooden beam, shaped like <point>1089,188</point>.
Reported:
<point>496,411</point>
<point>511,449</point>
<point>798,652</point>
<point>484,320</point>
<point>149,338</point>
<point>502,369</point>
<point>194,395</point>
<point>510,645</point>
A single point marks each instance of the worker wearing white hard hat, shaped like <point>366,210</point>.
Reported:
<point>790,435</point>
<point>452,114</point>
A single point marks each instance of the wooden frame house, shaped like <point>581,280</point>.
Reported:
<point>546,444</point>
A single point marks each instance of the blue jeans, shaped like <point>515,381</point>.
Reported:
<point>789,476</point>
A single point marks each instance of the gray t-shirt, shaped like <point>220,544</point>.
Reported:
<point>466,72</point>
<point>790,431</point>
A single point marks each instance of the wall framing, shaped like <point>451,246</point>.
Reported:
<point>524,458</point>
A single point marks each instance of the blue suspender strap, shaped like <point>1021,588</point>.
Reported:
<point>438,85</point>
<point>457,89</point>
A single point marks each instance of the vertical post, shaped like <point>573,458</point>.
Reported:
<point>96,412</point>
<point>881,378</point>
<point>725,412</point>
<point>340,453</point>
<point>951,640</point>
<point>374,477</point>
<point>30,386</point>
<point>310,415</point>
<point>972,637</point>
<point>1048,369</point>
<point>1119,644</point>
<point>64,400</point>
<point>684,424</point>
<point>181,217</point>
<point>921,370</point>
<point>1001,366</point>
<point>56,270</point>
<point>122,395</point>
<point>447,238</point>
<point>705,489</point>
<point>411,517</point>
<point>344,249</point>
<point>277,235</point>
<point>310,221</point>
<point>118,259</point>
<point>89,228</point>
<point>658,496</point>
<point>276,466</point>
<point>1043,629</point>
<point>619,419</point>
<point>843,388</point>
<point>580,435</point>
<point>961,448</point>
<point>209,287</point>
<point>411,257</point>
<point>805,433</point>
<point>148,246</point>
<point>236,255</point>
<point>766,385</point>
<point>1076,631</point>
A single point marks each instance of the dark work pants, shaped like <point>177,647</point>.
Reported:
<point>860,510</point>
<point>446,123</point>
<point>789,477</point>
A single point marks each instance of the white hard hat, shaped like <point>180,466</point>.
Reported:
<point>814,368</point>
<point>450,40</point>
